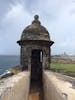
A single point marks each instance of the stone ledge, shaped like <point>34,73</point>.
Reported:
<point>15,87</point>
<point>58,87</point>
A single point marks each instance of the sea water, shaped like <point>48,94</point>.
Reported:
<point>8,61</point>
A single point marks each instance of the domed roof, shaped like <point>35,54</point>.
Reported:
<point>35,31</point>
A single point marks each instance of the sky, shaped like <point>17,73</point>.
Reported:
<point>58,16</point>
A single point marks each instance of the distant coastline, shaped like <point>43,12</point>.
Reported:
<point>63,59</point>
<point>8,61</point>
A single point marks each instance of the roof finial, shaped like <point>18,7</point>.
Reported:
<point>36,20</point>
<point>36,17</point>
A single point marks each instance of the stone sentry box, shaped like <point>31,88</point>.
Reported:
<point>35,47</point>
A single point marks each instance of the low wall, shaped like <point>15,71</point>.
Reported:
<point>15,87</point>
<point>56,87</point>
<point>51,90</point>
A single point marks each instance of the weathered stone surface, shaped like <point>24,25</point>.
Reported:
<point>35,37</point>
<point>58,87</point>
<point>35,31</point>
<point>15,87</point>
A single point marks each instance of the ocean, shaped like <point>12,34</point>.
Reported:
<point>8,61</point>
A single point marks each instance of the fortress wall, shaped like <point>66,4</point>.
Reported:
<point>51,89</point>
<point>15,87</point>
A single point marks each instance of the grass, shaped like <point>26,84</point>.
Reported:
<point>67,67</point>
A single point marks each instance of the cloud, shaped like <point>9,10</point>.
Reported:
<point>58,17</point>
<point>12,25</point>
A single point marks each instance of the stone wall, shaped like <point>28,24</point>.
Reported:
<point>56,87</point>
<point>26,53</point>
<point>15,87</point>
<point>51,90</point>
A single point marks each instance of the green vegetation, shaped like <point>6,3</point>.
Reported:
<point>67,67</point>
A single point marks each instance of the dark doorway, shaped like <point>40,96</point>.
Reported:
<point>36,86</point>
<point>36,65</point>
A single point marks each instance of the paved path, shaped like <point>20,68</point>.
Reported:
<point>36,92</point>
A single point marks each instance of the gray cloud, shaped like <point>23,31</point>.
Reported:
<point>58,17</point>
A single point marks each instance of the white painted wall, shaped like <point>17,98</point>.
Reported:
<point>15,87</point>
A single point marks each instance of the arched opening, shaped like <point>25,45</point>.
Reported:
<point>36,65</point>
<point>36,86</point>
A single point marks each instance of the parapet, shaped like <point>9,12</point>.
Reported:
<point>15,87</point>
<point>58,87</point>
